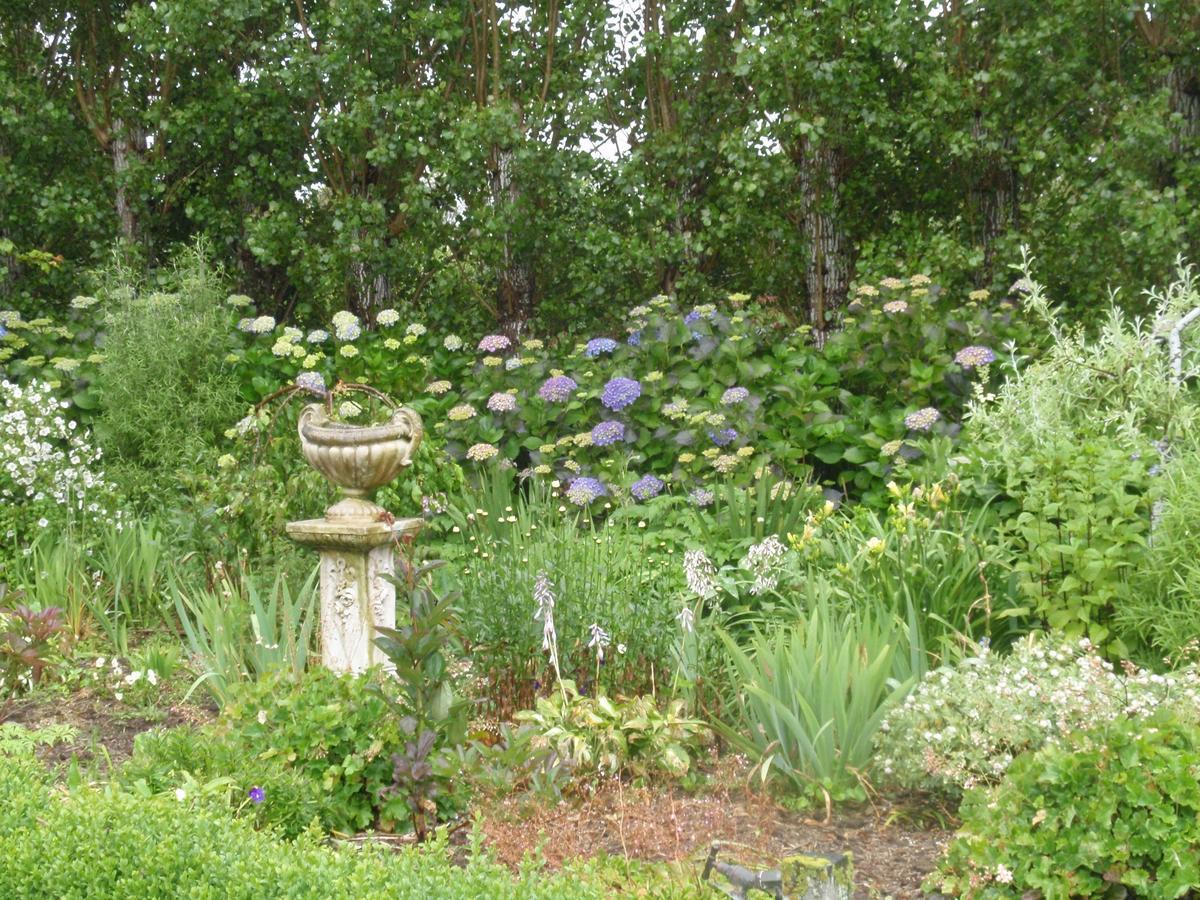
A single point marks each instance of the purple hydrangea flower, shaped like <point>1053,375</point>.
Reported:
<point>494,343</point>
<point>597,346</point>
<point>734,396</point>
<point>922,419</point>
<point>723,437</point>
<point>607,432</point>
<point>620,393</point>
<point>502,402</point>
<point>702,497</point>
<point>975,355</point>
<point>634,339</point>
<point>584,490</point>
<point>312,382</point>
<point>557,389</point>
<point>257,794</point>
<point>647,487</point>
<point>692,318</point>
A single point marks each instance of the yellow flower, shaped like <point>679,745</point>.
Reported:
<point>919,279</point>
<point>492,361</point>
<point>541,470</point>
<point>743,452</point>
<point>653,376</point>
<point>410,339</point>
<point>918,292</point>
<point>532,344</point>
<point>583,439</point>
<point>867,290</point>
<point>711,453</point>
<point>349,351</point>
<point>978,295</point>
<point>875,545</point>
<point>391,344</point>
<point>571,465</point>
<point>546,448</point>
<point>226,461</point>
<point>686,458</point>
<point>461,413</point>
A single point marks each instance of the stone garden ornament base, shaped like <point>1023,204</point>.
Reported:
<point>356,538</point>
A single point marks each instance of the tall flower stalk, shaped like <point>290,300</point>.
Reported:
<point>543,596</point>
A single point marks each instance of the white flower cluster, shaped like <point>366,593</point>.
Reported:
<point>962,726</point>
<point>763,561</point>
<point>117,678</point>
<point>48,466</point>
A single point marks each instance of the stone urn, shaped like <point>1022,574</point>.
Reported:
<point>356,538</point>
<point>358,458</point>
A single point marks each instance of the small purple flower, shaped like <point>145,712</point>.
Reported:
<point>975,355</point>
<point>724,437</point>
<point>584,490</point>
<point>502,402</point>
<point>557,389</point>
<point>311,382</point>
<point>494,343</point>
<point>701,497</point>
<point>922,419</point>
<point>620,393</point>
<point>634,339</point>
<point>607,432</point>
<point>647,487</point>
<point>4,331</point>
<point>734,396</point>
<point>597,346</point>
<point>257,794</point>
<point>692,318</point>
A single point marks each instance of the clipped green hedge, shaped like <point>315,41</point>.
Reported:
<point>108,843</point>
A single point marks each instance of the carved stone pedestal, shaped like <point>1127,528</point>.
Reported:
<point>356,596</point>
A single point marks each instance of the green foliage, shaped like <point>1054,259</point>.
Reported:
<point>963,724</point>
<point>56,844</point>
<point>242,628</point>
<point>1070,445</point>
<point>615,737</point>
<point>164,384</point>
<point>336,731</point>
<point>809,693</point>
<point>18,740</point>
<point>222,769</point>
<point>1117,806</point>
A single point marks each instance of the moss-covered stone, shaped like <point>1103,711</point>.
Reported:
<point>818,877</point>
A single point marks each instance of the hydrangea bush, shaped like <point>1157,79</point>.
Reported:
<point>963,725</point>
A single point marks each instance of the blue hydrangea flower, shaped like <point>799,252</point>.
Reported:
<point>620,393</point>
<point>635,338</point>
<point>734,396</point>
<point>596,346</point>
<point>557,389</point>
<point>3,331</point>
<point>702,497</point>
<point>584,490</point>
<point>692,318</point>
<point>647,487</point>
<point>723,437</point>
<point>607,432</point>
<point>312,382</point>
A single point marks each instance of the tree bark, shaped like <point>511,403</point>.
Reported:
<point>995,194</point>
<point>820,174</point>
<point>123,144</point>
<point>1183,85</point>
<point>515,284</point>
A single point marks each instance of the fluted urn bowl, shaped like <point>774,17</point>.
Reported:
<point>358,458</point>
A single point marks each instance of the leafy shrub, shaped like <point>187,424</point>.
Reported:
<point>963,725</point>
<point>808,694</point>
<point>56,845</point>
<point>332,729</point>
<point>50,474</point>
<point>614,736</point>
<point>1114,807</point>
<point>165,386</point>
<point>1071,444</point>
<point>202,763</point>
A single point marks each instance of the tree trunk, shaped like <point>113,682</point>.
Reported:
<point>1183,85</point>
<point>821,169</point>
<point>514,279</point>
<point>123,144</point>
<point>994,194</point>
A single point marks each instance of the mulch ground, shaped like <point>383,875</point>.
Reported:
<point>890,858</point>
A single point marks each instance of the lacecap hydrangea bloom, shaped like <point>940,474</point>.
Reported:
<point>461,413</point>
<point>620,393</point>
<point>557,389</point>
<point>607,432</point>
<point>502,402</point>
<point>647,487</point>
<point>481,452</point>
<point>734,396</point>
<point>597,346</point>
<point>584,490</point>
<point>895,306</point>
<point>922,419</point>
<point>437,388</point>
<point>494,343</point>
<point>975,355</point>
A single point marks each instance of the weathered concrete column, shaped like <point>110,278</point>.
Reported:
<point>356,538</point>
